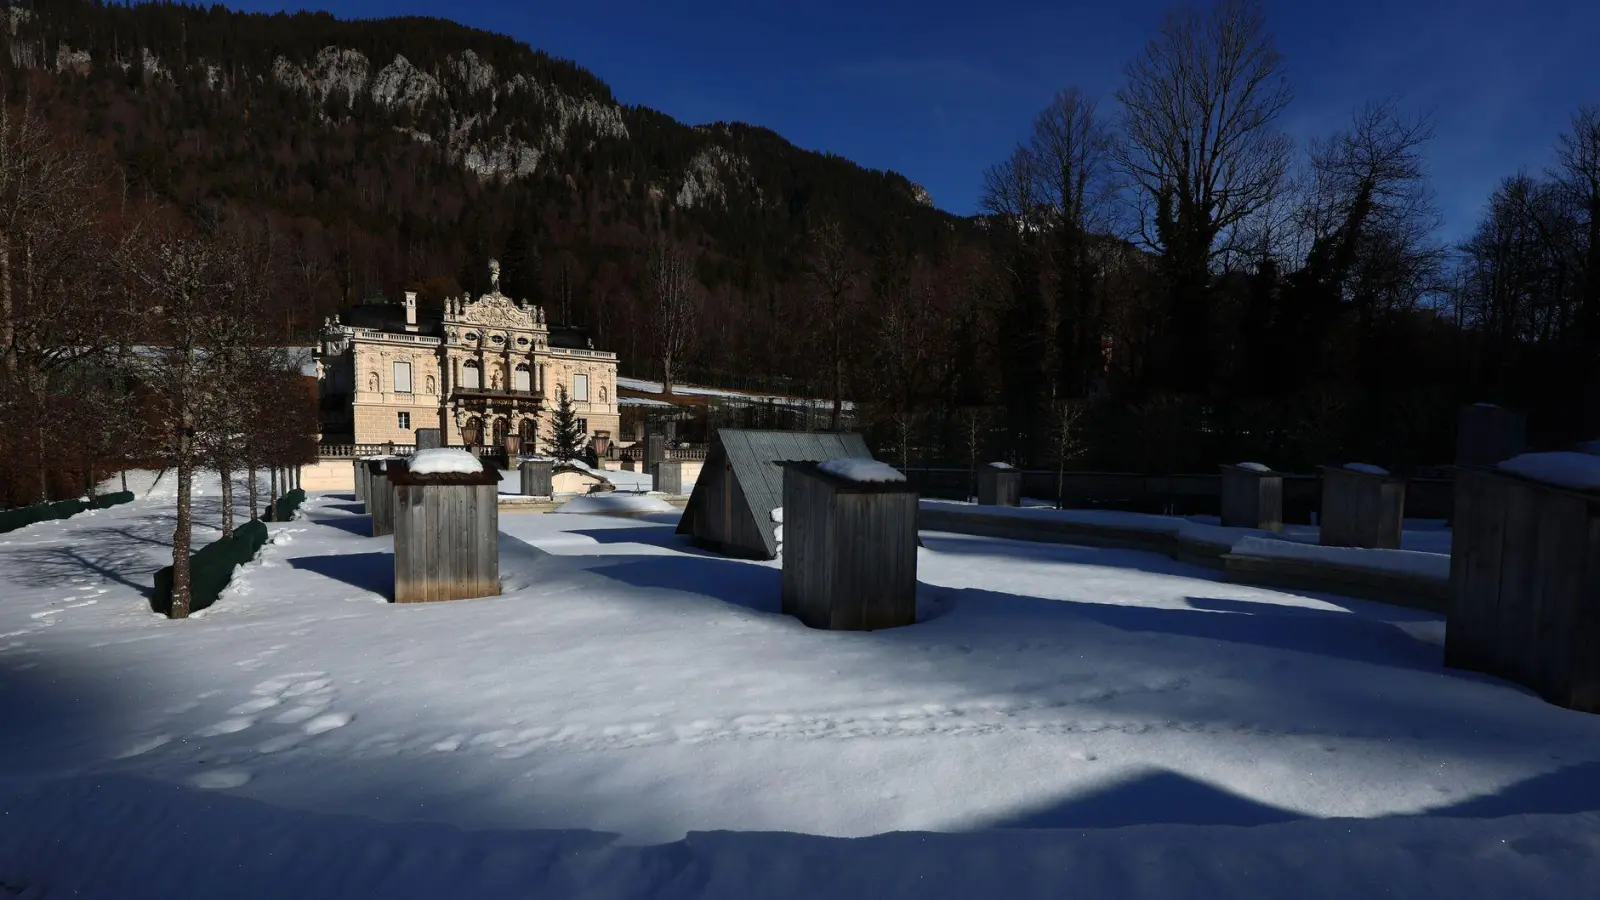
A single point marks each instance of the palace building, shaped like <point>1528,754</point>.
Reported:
<point>484,372</point>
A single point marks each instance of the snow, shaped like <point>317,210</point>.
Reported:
<point>612,502</point>
<point>1564,468</point>
<point>633,718</point>
<point>1590,447</point>
<point>656,387</point>
<point>862,471</point>
<point>1001,465</point>
<point>1255,467</point>
<point>1434,566</point>
<point>1366,468</point>
<point>445,461</point>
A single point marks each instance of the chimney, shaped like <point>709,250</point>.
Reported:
<point>411,311</point>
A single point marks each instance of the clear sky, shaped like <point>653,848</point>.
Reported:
<point>940,89</point>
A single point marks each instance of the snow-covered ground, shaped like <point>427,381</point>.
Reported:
<point>1158,733</point>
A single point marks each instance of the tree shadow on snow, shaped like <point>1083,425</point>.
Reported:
<point>736,583</point>
<point>368,571</point>
<point>653,535</point>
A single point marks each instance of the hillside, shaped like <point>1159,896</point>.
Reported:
<point>406,151</point>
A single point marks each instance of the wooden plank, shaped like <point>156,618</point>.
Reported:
<point>1251,499</point>
<point>1558,558</point>
<point>1474,568</point>
<point>1516,614</point>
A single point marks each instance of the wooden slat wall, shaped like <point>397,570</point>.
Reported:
<point>1361,510</point>
<point>360,477</point>
<point>999,487</point>
<point>446,542</point>
<point>1251,499</point>
<point>538,478</point>
<point>849,556</point>
<point>1525,586</point>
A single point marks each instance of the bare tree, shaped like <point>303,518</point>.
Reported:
<point>1070,151</point>
<point>1200,144</point>
<point>185,278</point>
<point>1578,172</point>
<point>673,311</point>
<point>834,274</point>
<point>54,309</point>
<point>1066,439</point>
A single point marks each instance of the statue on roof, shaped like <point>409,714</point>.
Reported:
<point>494,276</point>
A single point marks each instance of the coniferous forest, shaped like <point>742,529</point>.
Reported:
<point>1159,281</point>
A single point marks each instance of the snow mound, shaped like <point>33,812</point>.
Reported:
<point>1435,566</point>
<point>1254,467</point>
<point>777,515</point>
<point>445,461</point>
<point>862,471</point>
<point>1590,447</point>
<point>381,456</point>
<point>1564,468</point>
<point>1366,468</point>
<point>1001,465</point>
<point>602,504</point>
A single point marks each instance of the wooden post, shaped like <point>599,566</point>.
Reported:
<point>446,536</point>
<point>1489,434</point>
<point>358,468</point>
<point>538,478</point>
<point>428,438</point>
<point>380,494</point>
<point>668,477</point>
<point>1252,498</point>
<point>849,551</point>
<point>1361,509</point>
<point>1525,585</point>
<point>999,485</point>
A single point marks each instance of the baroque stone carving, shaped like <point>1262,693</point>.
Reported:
<point>496,310</point>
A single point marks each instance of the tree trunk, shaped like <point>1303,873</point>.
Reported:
<point>225,472</point>
<point>255,494</point>
<point>272,496</point>
<point>124,474</point>
<point>42,456</point>
<point>181,535</point>
<point>838,382</point>
<point>8,327</point>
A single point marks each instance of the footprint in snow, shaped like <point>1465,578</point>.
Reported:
<point>323,724</point>
<point>226,726</point>
<point>251,707</point>
<point>220,779</point>
<point>143,746</point>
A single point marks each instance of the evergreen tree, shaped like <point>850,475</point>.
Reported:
<point>521,270</point>
<point>567,438</point>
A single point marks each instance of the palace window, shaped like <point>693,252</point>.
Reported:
<point>402,378</point>
<point>471,376</point>
<point>405,421</point>
<point>580,388</point>
<point>522,379</point>
<point>583,426</point>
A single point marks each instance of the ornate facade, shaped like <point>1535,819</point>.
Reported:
<point>482,371</point>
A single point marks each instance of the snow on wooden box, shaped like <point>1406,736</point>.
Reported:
<point>1362,506</point>
<point>538,477</point>
<point>446,535</point>
<point>849,550</point>
<point>1252,497</point>
<point>667,477</point>
<point>999,485</point>
<point>380,494</point>
<point>1487,434</point>
<point>1525,584</point>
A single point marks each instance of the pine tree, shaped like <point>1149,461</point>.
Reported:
<point>567,439</point>
<point>521,270</point>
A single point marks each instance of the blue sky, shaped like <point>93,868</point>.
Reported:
<point>940,89</point>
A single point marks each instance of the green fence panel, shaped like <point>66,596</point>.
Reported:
<point>210,569</point>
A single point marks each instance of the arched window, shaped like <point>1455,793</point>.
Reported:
<point>500,429</point>
<point>471,376</point>
<point>528,429</point>
<point>430,385</point>
<point>372,382</point>
<point>522,379</point>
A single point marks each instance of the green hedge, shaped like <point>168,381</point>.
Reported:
<point>285,508</point>
<point>210,569</point>
<point>12,519</point>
